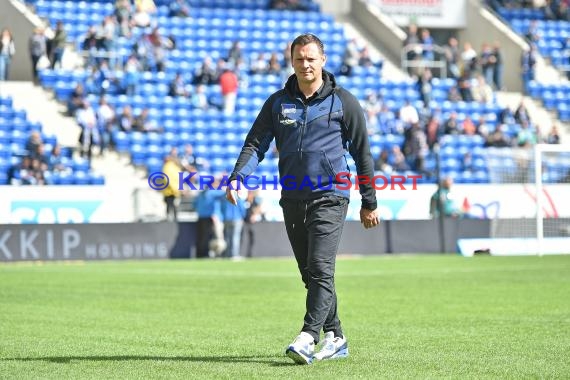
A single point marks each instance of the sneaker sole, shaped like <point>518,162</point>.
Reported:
<point>297,357</point>
<point>337,355</point>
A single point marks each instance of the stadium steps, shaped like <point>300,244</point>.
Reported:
<point>122,176</point>
<point>42,108</point>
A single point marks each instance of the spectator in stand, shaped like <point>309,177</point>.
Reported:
<point>106,38</point>
<point>467,162</point>
<point>486,63</point>
<point>126,119</point>
<point>415,147</point>
<point>132,75</point>
<point>144,123</point>
<point>7,51</point>
<point>199,98</point>
<point>483,127</point>
<point>563,12</point>
<point>497,60</point>
<point>398,160</point>
<point>468,126</point>
<point>464,87</point>
<point>274,65</point>
<point>87,120</point>
<point>469,60</point>
<point>178,87</point>
<point>179,8</point>
<point>76,99</point>
<point>105,123</point>
<point>159,46</point>
<point>123,14</point>
<point>287,62</point>
<point>528,63</point>
<point>426,40</point>
<point>451,125</point>
<point>351,57</point>
<point>37,50</point>
<point>408,114</point>
<point>58,45</point>
<point>34,140</point>
<point>235,53</point>
<point>92,83</point>
<point>433,132</point>
<point>372,108</point>
<point>382,163</point>
<point>259,64</point>
<point>533,33</point>
<point>241,69</point>
<point>424,86</point>
<point>412,45</point>
<point>56,161</point>
<point>453,94</point>
<point>482,92</point>
<point>499,138</point>
<point>90,46</point>
<point>206,74</point>
<point>452,56</point>
<point>38,170</point>
<point>365,59</point>
<point>190,162</point>
<point>521,113</point>
<point>104,77</point>
<point>553,136</point>
<point>526,136</point>
<point>144,9</point>
<point>229,88</point>
<point>40,154</point>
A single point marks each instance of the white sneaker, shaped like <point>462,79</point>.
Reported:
<point>302,349</point>
<point>332,348</point>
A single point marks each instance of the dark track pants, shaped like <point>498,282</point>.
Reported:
<point>314,229</point>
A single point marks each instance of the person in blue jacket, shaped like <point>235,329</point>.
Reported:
<point>208,208</point>
<point>233,218</point>
<point>315,123</point>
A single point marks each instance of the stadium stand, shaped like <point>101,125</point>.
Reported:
<point>22,162</point>
<point>548,28</point>
<point>210,32</point>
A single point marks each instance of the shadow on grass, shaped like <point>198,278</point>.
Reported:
<point>270,360</point>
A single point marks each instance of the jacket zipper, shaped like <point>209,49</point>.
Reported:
<point>302,133</point>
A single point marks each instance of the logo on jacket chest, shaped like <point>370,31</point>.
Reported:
<point>288,112</point>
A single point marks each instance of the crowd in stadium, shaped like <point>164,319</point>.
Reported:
<point>476,76</point>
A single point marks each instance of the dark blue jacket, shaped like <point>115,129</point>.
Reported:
<point>312,136</point>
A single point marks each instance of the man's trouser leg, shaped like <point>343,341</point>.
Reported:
<point>314,229</point>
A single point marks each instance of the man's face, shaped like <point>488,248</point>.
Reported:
<point>308,63</point>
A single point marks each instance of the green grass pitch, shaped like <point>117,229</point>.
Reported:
<point>404,316</point>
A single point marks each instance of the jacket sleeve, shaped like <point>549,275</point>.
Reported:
<point>359,146</point>
<point>256,143</point>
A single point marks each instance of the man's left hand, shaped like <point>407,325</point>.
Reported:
<point>369,218</point>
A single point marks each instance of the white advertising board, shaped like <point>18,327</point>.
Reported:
<point>106,204</point>
<point>443,14</point>
<point>65,204</point>
<point>478,201</point>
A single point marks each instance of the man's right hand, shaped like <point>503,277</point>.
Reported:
<point>231,191</point>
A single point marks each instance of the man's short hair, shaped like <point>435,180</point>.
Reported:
<point>305,39</point>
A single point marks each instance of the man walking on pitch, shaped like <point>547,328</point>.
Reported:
<point>314,123</point>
